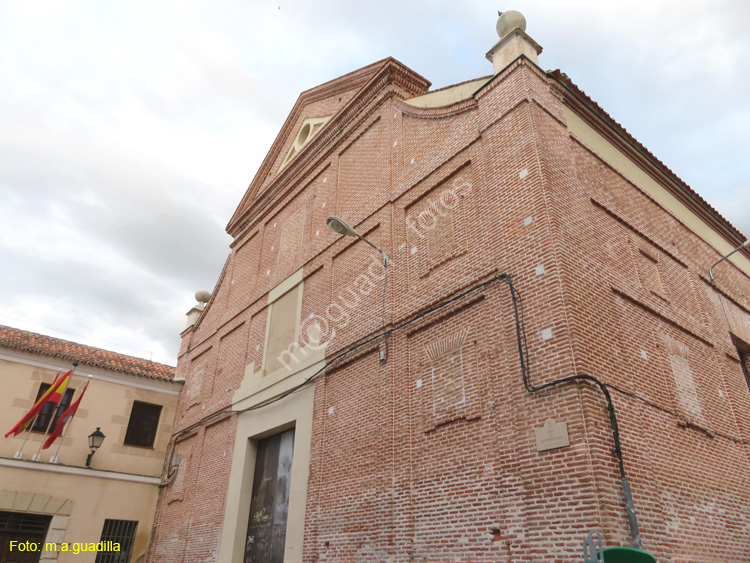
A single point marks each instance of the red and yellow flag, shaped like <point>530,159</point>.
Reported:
<point>64,418</point>
<point>53,394</point>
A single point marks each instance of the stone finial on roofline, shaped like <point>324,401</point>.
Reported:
<point>514,41</point>
<point>201,296</point>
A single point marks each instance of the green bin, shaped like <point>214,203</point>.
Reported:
<point>620,554</point>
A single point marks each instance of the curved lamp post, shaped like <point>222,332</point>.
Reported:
<point>343,228</point>
<point>710,270</point>
<point>338,225</point>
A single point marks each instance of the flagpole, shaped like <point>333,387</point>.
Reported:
<point>19,453</point>
<point>44,438</point>
<point>54,414</point>
<point>67,427</point>
<point>53,459</point>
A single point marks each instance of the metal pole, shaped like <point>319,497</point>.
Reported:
<point>67,427</point>
<point>44,438</point>
<point>19,453</point>
<point>54,413</point>
<point>710,270</point>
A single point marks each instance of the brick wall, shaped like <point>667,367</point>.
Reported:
<point>432,456</point>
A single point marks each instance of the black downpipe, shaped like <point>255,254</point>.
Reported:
<point>521,339</point>
<point>522,347</point>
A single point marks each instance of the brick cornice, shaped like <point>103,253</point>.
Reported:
<point>377,82</point>
<point>499,78</point>
<point>194,328</point>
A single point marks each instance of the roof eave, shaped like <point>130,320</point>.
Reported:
<point>596,117</point>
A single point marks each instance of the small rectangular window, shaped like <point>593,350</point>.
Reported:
<point>122,533</point>
<point>144,421</point>
<point>43,418</point>
<point>744,360</point>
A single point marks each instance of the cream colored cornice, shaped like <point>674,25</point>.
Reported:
<point>615,134</point>
<point>78,471</point>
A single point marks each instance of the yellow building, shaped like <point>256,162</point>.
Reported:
<point>50,496</point>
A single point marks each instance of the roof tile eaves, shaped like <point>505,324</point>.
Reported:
<point>96,357</point>
<point>564,78</point>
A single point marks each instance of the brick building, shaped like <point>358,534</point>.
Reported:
<point>335,413</point>
<point>61,494</point>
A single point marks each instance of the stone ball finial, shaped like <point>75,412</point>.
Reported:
<point>508,21</point>
<point>202,296</point>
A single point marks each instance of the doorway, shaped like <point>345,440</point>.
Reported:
<point>269,506</point>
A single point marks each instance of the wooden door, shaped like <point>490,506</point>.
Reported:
<point>269,507</point>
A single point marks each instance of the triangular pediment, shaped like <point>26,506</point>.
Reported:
<point>310,127</point>
<point>314,121</point>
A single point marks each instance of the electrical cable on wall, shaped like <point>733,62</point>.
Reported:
<point>341,355</point>
<point>517,301</point>
<point>523,356</point>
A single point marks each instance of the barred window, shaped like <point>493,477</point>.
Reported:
<point>144,421</point>
<point>24,522</point>
<point>42,420</point>
<point>121,532</point>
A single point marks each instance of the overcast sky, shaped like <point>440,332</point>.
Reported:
<point>130,130</point>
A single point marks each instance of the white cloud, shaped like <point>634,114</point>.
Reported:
<point>130,130</point>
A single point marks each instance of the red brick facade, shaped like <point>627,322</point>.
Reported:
<point>431,456</point>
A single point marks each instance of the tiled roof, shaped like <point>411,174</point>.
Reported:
<point>23,340</point>
<point>565,79</point>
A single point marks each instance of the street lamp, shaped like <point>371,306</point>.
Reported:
<point>95,441</point>
<point>338,225</point>
<point>343,228</point>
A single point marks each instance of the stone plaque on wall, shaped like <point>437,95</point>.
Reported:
<point>551,436</point>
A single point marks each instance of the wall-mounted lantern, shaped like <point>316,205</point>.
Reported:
<point>95,441</point>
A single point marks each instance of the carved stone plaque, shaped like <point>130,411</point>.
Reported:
<point>551,436</point>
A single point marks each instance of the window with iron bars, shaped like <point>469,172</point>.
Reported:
<point>121,532</point>
<point>24,522</point>
<point>743,351</point>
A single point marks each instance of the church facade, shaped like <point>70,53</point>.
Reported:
<point>542,353</point>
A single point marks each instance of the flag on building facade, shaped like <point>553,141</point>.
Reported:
<point>65,418</point>
<point>53,395</point>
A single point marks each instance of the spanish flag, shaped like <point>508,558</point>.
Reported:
<point>69,413</point>
<point>53,394</point>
